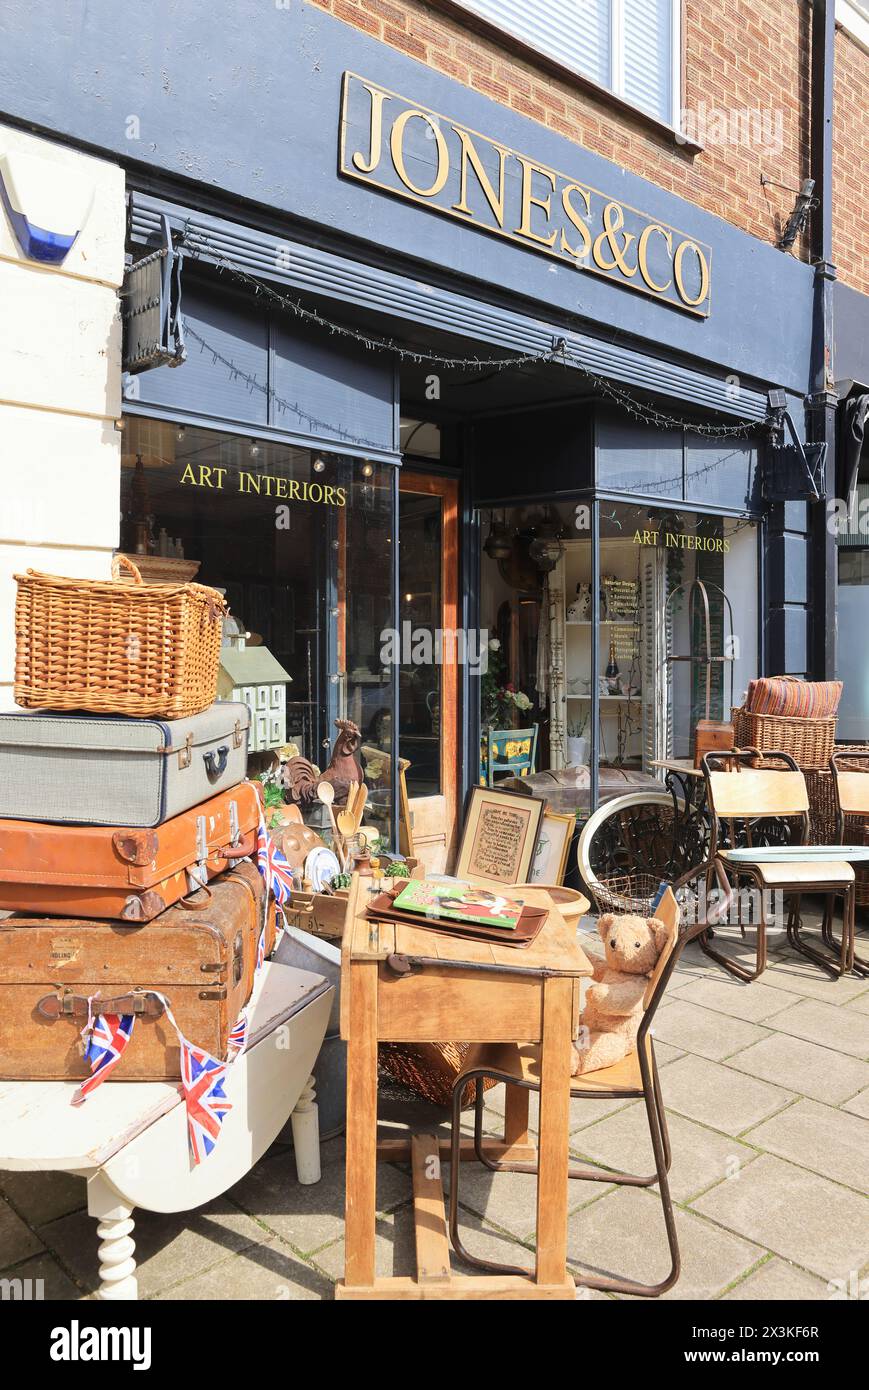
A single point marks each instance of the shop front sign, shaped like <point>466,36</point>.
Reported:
<point>682,540</point>
<point>409,150</point>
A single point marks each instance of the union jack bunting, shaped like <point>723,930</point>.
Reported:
<point>107,1036</point>
<point>238,1035</point>
<point>272,864</point>
<point>202,1082</point>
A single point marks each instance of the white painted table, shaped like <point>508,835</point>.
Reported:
<point>129,1139</point>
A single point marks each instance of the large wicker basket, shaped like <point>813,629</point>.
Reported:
<point>429,1069</point>
<point>116,648</point>
<point>809,741</point>
<point>824,819</point>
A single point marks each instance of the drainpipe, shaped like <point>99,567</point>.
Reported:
<point>822,402</point>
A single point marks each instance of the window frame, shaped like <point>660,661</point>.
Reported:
<point>558,67</point>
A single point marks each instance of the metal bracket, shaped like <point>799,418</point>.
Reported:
<point>151,307</point>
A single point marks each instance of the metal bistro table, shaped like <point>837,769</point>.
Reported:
<point>469,991</point>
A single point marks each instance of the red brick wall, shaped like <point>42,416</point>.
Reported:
<point>851,163</point>
<point>739,56</point>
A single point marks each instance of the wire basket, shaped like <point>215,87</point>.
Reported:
<point>632,893</point>
<point>112,647</point>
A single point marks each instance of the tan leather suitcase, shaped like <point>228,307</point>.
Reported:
<point>201,956</point>
<point>129,875</point>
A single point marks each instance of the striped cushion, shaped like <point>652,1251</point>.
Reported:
<point>792,698</point>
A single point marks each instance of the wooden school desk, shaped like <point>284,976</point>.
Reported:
<point>448,998</point>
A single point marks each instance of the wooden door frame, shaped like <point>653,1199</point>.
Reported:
<point>412,480</point>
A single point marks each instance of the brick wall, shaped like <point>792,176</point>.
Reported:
<point>739,57</point>
<point>851,163</point>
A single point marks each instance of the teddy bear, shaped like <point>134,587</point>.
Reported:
<point>613,1006</point>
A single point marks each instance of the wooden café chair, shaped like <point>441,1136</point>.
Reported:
<point>635,1077</point>
<point>851,790</point>
<point>757,792</point>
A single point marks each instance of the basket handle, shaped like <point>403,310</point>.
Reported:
<point>123,562</point>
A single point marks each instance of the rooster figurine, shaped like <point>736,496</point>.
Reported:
<point>345,766</point>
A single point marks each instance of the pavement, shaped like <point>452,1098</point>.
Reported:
<point>767,1094</point>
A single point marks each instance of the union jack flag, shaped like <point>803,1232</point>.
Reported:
<point>202,1079</point>
<point>272,864</point>
<point>106,1041</point>
<point>238,1035</point>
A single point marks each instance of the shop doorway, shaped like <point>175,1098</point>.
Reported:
<point>428,608</point>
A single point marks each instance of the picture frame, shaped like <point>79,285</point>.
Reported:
<point>499,837</point>
<point>553,848</point>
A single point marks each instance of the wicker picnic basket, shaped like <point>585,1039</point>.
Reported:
<point>116,648</point>
<point>809,741</point>
<point>429,1069</point>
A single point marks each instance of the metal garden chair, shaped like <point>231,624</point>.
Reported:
<point>851,789</point>
<point>764,794</point>
<point>634,1077</point>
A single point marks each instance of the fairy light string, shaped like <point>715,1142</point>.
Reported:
<point>559,352</point>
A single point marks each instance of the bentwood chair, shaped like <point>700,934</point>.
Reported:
<point>851,789</point>
<point>635,1077</point>
<point>754,795</point>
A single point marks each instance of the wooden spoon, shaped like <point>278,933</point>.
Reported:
<point>359,805</point>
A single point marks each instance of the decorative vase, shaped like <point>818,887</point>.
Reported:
<point>577,751</point>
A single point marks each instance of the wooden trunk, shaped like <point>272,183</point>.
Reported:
<point>201,956</point>
<point>128,875</point>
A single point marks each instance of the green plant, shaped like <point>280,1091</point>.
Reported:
<point>396,869</point>
<point>340,881</point>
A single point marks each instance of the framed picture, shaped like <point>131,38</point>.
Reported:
<point>499,837</point>
<point>550,858</point>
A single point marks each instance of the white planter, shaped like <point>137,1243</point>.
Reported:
<point>577,751</point>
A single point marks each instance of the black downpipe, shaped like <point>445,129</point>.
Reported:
<point>823,401</point>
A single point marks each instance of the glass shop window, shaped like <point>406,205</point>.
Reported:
<point>300,544</point>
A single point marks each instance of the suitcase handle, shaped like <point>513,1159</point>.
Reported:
<point>244,850</point>
<point>60,1005</point>
<point>215,762</point>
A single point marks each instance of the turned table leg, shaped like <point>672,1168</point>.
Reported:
<point>306,1135</point>
<point>117,1247</point>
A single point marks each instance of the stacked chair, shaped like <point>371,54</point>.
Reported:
<point>126,830</point>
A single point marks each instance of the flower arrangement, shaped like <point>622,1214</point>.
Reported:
<point>499,699</point>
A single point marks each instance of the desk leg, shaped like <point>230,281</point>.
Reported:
<point>516,1100</point>
<point>553,1131</point>
<point>361,1203</point>
<point>117,1248</point>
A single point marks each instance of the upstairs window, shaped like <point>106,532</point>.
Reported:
<point>630,47</point>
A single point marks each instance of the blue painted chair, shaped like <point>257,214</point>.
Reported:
<point>511,751</point>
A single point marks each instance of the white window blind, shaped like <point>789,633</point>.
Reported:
<point>630,47</point>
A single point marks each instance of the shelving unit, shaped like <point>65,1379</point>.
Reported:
<point>622,716</point>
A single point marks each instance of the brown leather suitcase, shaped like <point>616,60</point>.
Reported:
<point>201,956</point>
<point>129,875</point>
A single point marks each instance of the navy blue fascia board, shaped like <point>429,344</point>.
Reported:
<point>243,98</point>
<point>326,275</point>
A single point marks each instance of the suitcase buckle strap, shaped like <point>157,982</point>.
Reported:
<point>185,752</point>
<point>237,735</point>
<point>64,1004</point>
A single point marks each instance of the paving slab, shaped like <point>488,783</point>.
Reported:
<point>797,976</point>
<point>715,1095</point>
<point>701,1157</point>
<point>17,1241</point>
<point>623,1236</point>
<point>861,1003</point>
<point>708,1034</point>
<point>816,1136</point>
<point>755,1003</point>
<point>169,1247</point>
<point>43,1279</point>
<point>270,1270</point>
<point>41,1197</point>
<point>844,1030</point>
<point>803,1067</point>
<point>311,1216</point>
<point>858,1105</point>
<point>395,1246</point>
<point>797,1214</point>
<point>778,1281</point>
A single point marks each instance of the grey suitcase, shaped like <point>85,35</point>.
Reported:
<point>84,769</point>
